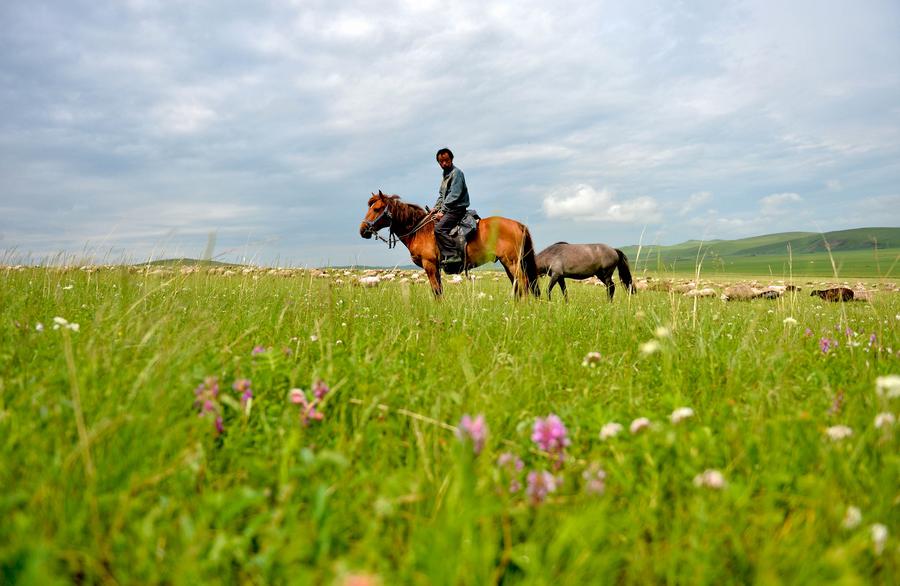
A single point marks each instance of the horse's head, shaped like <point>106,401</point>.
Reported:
<point>378,215</point>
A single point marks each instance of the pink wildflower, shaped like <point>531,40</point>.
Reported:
<point>320,389</point>
<point>307,409</point>
<point>242,386</point>
<point>540,484</point>
<point>595,479</point>
<point>473,430</point>
<point>550,435</point>
<point>206,401</point>
<point>258,349</point>
<point>639,425</point>
<point>827,344</point>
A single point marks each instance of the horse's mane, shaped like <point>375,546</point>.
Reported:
<point>405,214</point>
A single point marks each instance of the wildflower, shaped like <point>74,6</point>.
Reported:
<point>206,401</point>
<point>838,432</point>
<point>827,344</point>
<point>879,537</point>
<point>61,322</point>
<point>39,327</point>
<point>320,389</point>
<point>550,435</point>
<point>681,414</point>
<point>540,484</point>
<point>595,479</point>
<point>789,321</point>
<point>884,420</point>
<point>259,349</point>
<point>852,518</point>
<point>610,430</point>
<point>474,430</point>
<point>710,479</point>
<point>242,386</point>
<point>639,425</point>
<point>662,332</point>
<point>591,359</point>
<point>314,338</point>
<point>807,332</point>
<point>873,340</point>
<point>649,347</point>
<point>888,386</point>
<point>308,410</point>
<point>510,461</point>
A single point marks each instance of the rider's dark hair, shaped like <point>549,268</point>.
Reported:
<point>442,151</point>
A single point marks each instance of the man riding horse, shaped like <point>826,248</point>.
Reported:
<point>449,209</point>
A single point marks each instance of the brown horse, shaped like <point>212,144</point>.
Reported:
<point>496,238</point>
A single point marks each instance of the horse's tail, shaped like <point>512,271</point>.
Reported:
<point>624,270</point>
<point>528,264</point>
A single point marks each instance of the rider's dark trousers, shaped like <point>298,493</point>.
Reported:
<point>446,243</point>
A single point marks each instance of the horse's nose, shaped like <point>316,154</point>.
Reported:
<point>364,230</point>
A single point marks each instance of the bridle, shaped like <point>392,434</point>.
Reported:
<point>392,238</point>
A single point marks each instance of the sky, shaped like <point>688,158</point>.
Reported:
<point>133,130</point>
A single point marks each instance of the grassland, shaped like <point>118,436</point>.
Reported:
<point>857,253</point>
<point>112,473</point>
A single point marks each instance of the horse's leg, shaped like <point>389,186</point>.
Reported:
<point>434,276</point>
<point>562,286</point>
<point>606,277</point>
<point>553,281</point>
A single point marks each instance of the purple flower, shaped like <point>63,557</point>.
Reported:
<point>540,484</point>
<point>873,339</point>
<point>320,389</point>
<point>474,430</point>
<point>826,345</point>
<point>259,349</point>
<point>307,409</point>
<point>550,435</point>
<point>242,386</point>
<point>206,401</point>
<point>220,427</point>
<point>807,332</point>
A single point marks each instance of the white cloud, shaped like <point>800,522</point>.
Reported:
<point>694,201</point>
<point>583,202</point>
<point>778,203</point>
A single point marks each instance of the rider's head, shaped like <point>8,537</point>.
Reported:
<point>445,158</point>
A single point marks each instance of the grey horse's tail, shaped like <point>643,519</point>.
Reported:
<point>624,270</point>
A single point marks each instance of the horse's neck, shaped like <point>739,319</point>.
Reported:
<point>407,219</point>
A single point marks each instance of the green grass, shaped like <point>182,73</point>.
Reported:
<point>857,253</point>
<point>110,475</point>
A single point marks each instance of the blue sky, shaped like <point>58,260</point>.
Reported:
<point>135,129</point>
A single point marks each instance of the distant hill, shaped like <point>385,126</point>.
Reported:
<point>193,262</point>
<point>859,249</point>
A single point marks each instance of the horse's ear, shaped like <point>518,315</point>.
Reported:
<point>379,193</point>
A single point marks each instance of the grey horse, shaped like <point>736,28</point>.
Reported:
<point>580,261</point>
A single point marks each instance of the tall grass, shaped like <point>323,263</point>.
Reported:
<point>111,476</point>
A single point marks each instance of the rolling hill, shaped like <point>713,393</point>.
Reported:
<point>856,252</point>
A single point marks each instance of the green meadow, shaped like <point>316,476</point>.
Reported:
<point>127,455</point>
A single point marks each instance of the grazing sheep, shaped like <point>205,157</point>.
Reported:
<point>835,294</point>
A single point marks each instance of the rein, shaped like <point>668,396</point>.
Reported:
<point>392,238</point>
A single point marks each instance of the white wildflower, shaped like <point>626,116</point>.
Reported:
<point>710,479</point>
<point>639,425</point>
<point>662,332</point>
<point>789,321</point>
<point>681,414</point>
<point>610,430</point>
<point>888,386</point>
<point>39,327</point>
<point>649,347</point>
<point>885,420</point>
<point>591,359</point>
<point>838,432</point>
<point>879,537</point>
<point>852,518</point>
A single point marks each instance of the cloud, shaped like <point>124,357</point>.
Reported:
<point>583,202</point>
<point>778,203</point>
<point>694,201</point>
